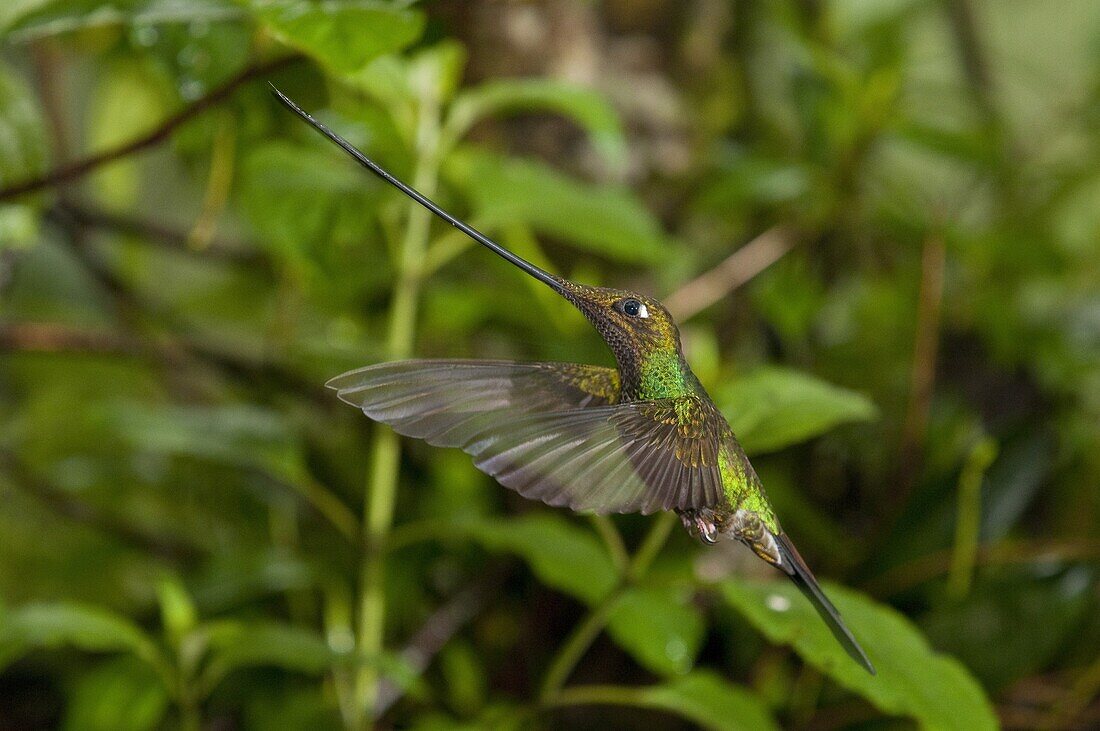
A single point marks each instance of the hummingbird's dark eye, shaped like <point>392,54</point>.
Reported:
<point>634,308</point>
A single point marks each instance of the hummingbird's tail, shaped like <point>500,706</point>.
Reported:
<point>803,578</point>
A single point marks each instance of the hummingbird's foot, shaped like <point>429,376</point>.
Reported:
<point>700,523</point>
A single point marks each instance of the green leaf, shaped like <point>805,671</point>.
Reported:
<point>240,435</point>
<point>22,131</point>
<point>606,220</point>
<point>121,694</point>
<point>701,696</point>
<point>772,408</point>
<point>343,36</point>
<point>913,680</point>
<point>233,645</point>
<point>712,702</point>
<point>177,610</point>
<point>561,555</point>
<point>18,226</point>
<point>22,156</point>
<point>659,627</point>
<point>243,436</point>
<point>130,99</point>
<point>27,20</point>
<point>52,626</point>
<point>298,199</point>
<point>587,108</point>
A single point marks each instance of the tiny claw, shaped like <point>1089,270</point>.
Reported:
<point>701,526</point>
<point>708,531</point>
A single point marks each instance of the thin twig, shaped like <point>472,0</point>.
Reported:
<point>48,337</point>
<point>162,132</point>
<point>64,504</point>
<point>443,624</point>
<point>585,633</point>
<point>157,233</point>
<point>134,307</point>
<point>734,271</point>
<point>923,376</point>
<point>937,564</point>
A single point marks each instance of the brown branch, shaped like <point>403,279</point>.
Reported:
<point>734,271</point>
<point>923,376</point>
<point>163,131</point>
<point>48,337</point>
<point>134,308</point>
<point>964,28</point>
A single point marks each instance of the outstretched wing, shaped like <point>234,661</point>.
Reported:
<point>552,431</point>
<point>421,397</point>
<point>635,457</point>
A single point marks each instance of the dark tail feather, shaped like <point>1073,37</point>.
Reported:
<point>804,579</point>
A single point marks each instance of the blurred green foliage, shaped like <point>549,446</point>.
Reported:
<point>915,365</point>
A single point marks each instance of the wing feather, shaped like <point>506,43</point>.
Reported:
<point>553,431</point>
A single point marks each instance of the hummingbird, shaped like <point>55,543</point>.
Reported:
<point>639,438</point>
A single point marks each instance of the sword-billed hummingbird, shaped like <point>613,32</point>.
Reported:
<point>642,437</point>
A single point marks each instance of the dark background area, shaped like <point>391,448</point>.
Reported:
<point>878,224</point>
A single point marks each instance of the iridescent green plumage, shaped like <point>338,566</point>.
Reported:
<point>641,437</point>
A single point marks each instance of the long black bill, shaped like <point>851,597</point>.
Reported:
<point>420,198</point>
<point>800,574</point>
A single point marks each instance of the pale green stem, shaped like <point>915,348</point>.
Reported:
<point>613,540</point>
<point>328,505</point>
<point>968,517</point>
<point>592,625</point>
<point>385,455</point>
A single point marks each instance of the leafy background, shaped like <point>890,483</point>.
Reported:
<point>877,222</point>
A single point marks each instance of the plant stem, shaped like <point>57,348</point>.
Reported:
<point>385,455</point>
<point>613,540</point>
<point>592,625</point>
<point>968,517</point>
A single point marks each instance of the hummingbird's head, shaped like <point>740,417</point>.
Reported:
<point>625,319</point>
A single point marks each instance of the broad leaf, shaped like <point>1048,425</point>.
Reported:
<point>561,555</point>
<point>300,201</point>
<point>606,220</point>
<point>243,436</point>
<point>120,694</point>
<point>52,626</point>
<point>233,645</point>
<point>913,680</point>
<point>344,36</point>
<point>772,408</point>
<point>712,702</point>
<point>702,697</point>
<point>26,20</point>
<point>587,108</point>
<point>659,627</point>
